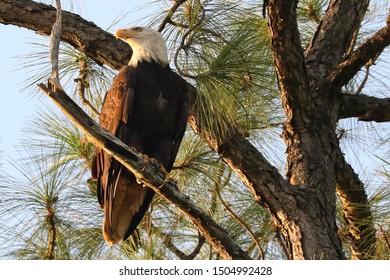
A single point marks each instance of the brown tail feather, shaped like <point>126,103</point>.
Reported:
<point>121,207</point>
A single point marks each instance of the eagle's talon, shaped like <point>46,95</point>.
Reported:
<point>165,174</point>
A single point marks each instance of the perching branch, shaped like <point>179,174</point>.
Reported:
<point>148,174</point>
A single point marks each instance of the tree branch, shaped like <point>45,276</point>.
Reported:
<point>147,174</point>
<point>243,224</point>
<point>82,84</point>
<point>356,210</point>
<point>333,36</point>
<point>83,35</point>
<point>170,13</point>
<point>55,43</point>
<point>50,218</point>
<point>167,239</point>
<point>288,52</point>
<point>363,55</point>
<point>365,108</point>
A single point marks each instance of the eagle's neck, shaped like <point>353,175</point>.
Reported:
<point>150,53</point>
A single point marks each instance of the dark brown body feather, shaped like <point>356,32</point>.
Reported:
<point>146,108</point>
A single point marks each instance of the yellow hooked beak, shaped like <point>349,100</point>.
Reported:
<point>127,33</point>
<point>123,33</point>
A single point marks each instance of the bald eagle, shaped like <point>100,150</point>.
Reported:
<point>146,108</point>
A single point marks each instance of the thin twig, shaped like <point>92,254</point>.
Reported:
<point>363,83</point>
<point>204,30</point>
<point>367,66</point>
<point>243,224</point>
<point>169,15</point>
<point>82,84</point>
<point>55,37</point>
<point>270,125</point>
<point>234,215</point>
<point>167,239</point>
<point>353,42</point>
<point>184,45</point>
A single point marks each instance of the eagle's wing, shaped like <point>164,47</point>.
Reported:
<point>117,106</point>
<point>118,192</point>
<point>180,126</point>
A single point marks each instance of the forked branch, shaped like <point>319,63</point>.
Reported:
<point>363,55</point>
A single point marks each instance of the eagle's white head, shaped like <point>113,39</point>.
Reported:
<point>146,43</point>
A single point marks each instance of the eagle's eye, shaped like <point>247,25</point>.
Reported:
<point>137,29</point>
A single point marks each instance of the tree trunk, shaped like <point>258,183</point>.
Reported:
<point>303,204</point>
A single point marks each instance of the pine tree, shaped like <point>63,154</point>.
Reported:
<point>302,71</point>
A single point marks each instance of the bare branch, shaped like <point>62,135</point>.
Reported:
<point>147,174</point>
<point>364,81</point>
<point>170,13</point>
<point>365,54</point>
<point>82,84</point>
<point>243,224</point>
<point>55,43</point>
<point>183,45</point>
<point>54,51</point>
<point>365,108</point>
<point>167,239</point>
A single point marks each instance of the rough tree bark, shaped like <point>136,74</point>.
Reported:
<point>303,205</point>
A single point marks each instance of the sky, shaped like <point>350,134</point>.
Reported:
<point>17,106</point>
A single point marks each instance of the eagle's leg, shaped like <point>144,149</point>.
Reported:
<point>165,174</point>
<point>158,166</point>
